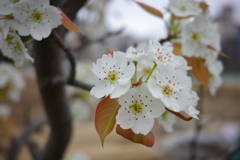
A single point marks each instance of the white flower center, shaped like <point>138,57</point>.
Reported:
<point>36,16</point>
<point>195,36</point>
<point>136,107</point>
<point>167,90</point>
<point>112,77</point>
<point>183,8</point>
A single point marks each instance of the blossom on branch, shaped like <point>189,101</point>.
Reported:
<point>36,17</point>
<point>114,75</point>
<point>138,110</point>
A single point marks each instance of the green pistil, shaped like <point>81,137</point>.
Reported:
<point>136,107</point>
<point>135,74</point>
<point>36,16</point>
<point>112,77</point>
<point>195,36</point>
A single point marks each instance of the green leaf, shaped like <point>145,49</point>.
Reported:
<point>67,23</point>
<point>147,140</point>
<point>150,9</point>
<point>105,117</point>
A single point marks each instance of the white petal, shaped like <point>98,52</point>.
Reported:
<point>120,90</point>
<point>127,74</point>
<point>35,33</point>
<point>101,89</point>
<point>124,119</point>
<point>143,125</point>
<point>154,88</point>
<point>53,15</point>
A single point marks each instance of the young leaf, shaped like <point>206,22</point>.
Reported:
<point>150,9</point>
<point>180,115</point>
<point>105,117</point>
<point>109,52</point>
<point>199,70</point>
<point>147,140</point>
<point>67,23</point>
<point>203,6</point>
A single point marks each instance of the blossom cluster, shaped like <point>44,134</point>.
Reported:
<point>147,80</point>
<point>25,17</point>
<point>198,35</point>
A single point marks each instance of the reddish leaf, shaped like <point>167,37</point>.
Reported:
<point>178,114</point>
<point>138,83</point>
<point>147,140</point>
<point>150,9</point>
<point>219,52</point>
<point>199,70</point>
<point>203,5</point>
<point>105,117</point>
<point>67,23</point>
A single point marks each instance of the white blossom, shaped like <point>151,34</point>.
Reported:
<point>184,8</point>
<point>6,6</point>
<point>14,48</point>
<point>198,35</point>
<point>36,17</point>
<point>144,68</point>
<point>138,110</point>
<point>167,120</point>
<point>138,53</point>
<point>191,110</point>
<point>164,55</point>
<point>114,75</point>
<point>5,111</point>
<point>11,81</point>
<point>215,69</point>
<point>172,87</point>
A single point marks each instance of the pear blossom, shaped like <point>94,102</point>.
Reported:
<point>167,120</point>
<point>172,87</point>
<point>6,6</point>
<point>164,55</point>
<point>138,110</point>
<point>11,81</point>
<point>114,75</point>
<point>215,69</point>
<point>191,110</point>
<point>144,68</point>
<point>138,53</point>
<point>184,8</point>
<point>14,48</point>
<point>36,17</point>
<point>198,35</point>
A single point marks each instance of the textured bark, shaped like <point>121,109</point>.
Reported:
<point>49,59</point>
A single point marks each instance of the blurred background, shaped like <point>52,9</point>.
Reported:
<point>118,24</point>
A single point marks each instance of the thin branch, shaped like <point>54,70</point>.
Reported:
<point>18,142</point>
<point>35,152</point>
<point>82,85</point>
<point>69,55</point>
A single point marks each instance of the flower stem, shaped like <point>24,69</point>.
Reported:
<point>28,41</point>
<point>155,65</point>
<point>135,74</point>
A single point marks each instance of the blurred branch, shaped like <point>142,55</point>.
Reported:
<point>82,85</point>
<point>86,42</point>
<point>198,127</point>
<point>69,55</point>
<point>23,138</point>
